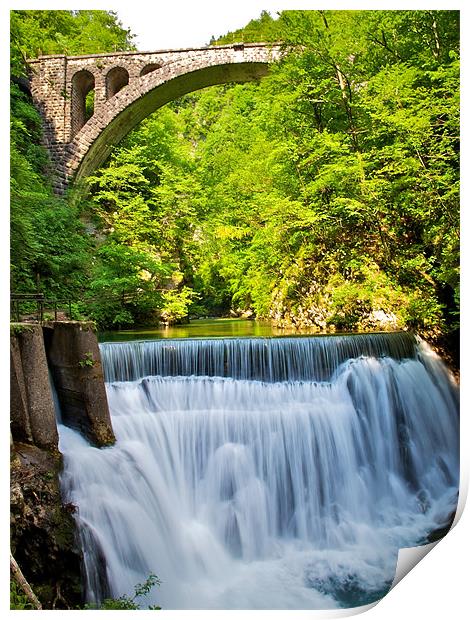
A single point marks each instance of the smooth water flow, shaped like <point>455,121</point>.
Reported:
<point>264,473</point>
<point>266,359</point>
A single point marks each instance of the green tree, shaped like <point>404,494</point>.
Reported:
<point>37,32</point>
<point>50,251</point>
<point>326,195</point>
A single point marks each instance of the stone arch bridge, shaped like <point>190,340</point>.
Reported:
<point>80,130</point>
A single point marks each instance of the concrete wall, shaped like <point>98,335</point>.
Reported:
<point>32,406</point>
<point>75,364</point>
<point>70,350</point>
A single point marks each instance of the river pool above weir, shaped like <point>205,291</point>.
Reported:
<point>207,328</point>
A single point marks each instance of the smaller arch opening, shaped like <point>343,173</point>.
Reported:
<point>83,91</point>
<point>153,66</point>
<point>116,79</point>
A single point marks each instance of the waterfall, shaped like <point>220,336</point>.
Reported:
<point>266,359</point>
<point>280,473</point>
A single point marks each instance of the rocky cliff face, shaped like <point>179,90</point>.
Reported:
<point>42,528</point>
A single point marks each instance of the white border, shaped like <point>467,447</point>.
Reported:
<point>438,585</point>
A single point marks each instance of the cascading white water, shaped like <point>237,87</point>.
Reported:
<point>283,493</point>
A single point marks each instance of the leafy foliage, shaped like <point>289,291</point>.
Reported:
<point>18,599</point>
<point>37,32</point>
<point>131,602</point>
<point>326,195</point>
<point>357,213</point>
<point>50,251</point>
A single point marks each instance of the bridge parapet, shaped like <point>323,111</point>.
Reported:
<point>79,130</point>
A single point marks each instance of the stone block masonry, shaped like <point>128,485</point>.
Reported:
<point>127,87</point>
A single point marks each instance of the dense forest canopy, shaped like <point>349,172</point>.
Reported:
<point>326,195</point>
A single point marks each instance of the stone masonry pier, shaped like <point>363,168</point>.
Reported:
<point>89,103</point>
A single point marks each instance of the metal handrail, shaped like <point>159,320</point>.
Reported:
<point>42,303</point>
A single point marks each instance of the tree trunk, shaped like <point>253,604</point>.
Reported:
<point>437,45</point>
<point>345,93</point>
<point>24,585</point>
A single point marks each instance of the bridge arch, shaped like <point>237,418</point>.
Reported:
<point>83,84</point>
<point>116,79</point>
<point>128,87</point>
<point>93,145</point>
<point>153,66</point>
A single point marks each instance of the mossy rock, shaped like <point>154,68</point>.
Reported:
<point>43,537</point>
